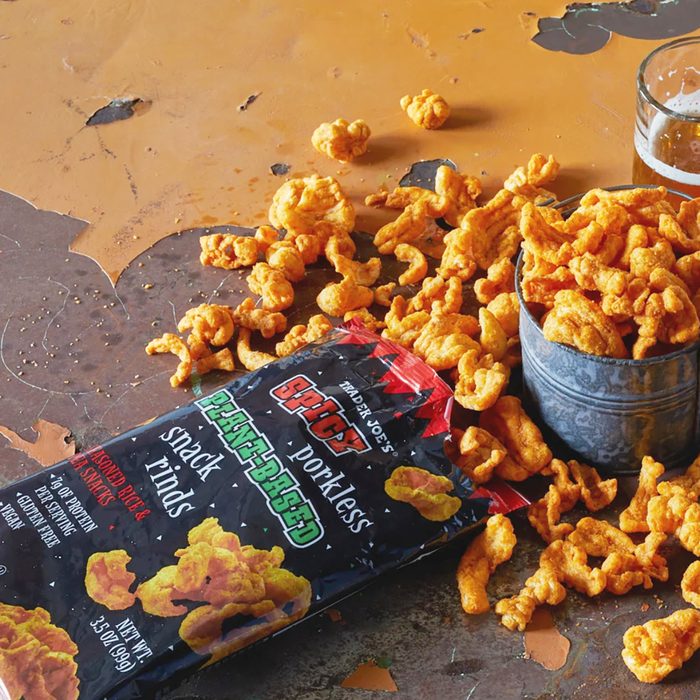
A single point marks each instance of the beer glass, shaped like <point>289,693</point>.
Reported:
<point>667,129</point>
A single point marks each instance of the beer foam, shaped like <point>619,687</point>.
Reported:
<point>688,103</point>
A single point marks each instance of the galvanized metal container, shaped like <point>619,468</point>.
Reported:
<point>608,412</point>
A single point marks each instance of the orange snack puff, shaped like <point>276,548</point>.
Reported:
<point>489,549</point>
<point>459,190</point>
<point>286,257</point>
<point>267,322</point>
<point>569,492</point>
<point>210,323</point>
<point>506,309</point>
<point>596,494</point>
<point>418,265</point>
<point>500,278</point>
<point>274,288</point>
<point>479,454</point>
<point>571,564</point>
<point>169,342</point>
<point>690,585</point>
<point>427,110</point>
<point>336,299</point>
<point>528,180</point>
<point>544,515</point>
<point>228,250</point>
<point>444,339</point>
<point>300,335</point>
<point>577,321</point>
<point>493,338</point>
<point>301,204</point>
<point>341,140</point>
<point>382,294</point>
<point>361,273</point>
<point>634,517</point>
<point>480,380</point>
<point>107,581</point>
<point>439,295</point>
<point>508,422</point>
<point>651,651</point>
<point>221,360</point>
<point>425,491</point>
<point>412,224</point>
<point>599,538</point>
<point>250,359</point>
<point>36,657</point>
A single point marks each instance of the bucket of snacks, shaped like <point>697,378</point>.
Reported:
<point>608,285</point>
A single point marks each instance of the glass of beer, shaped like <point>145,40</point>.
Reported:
<point>667,129</point>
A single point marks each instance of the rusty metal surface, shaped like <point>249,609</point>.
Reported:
<point>413,616</point>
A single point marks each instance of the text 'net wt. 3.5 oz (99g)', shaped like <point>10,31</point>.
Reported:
<point>221,523</point>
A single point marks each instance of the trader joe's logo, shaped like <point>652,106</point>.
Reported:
<point>299,520</point>
<point>323,415</point>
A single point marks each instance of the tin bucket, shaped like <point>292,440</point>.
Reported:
<point>608,412</point>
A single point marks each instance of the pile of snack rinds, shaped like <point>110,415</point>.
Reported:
<point>608,271</point>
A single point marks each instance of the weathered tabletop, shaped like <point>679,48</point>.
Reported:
<point>71,351</point>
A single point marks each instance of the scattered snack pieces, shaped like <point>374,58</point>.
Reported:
<point>479,453</point>
<point>676,511</point>
<point>427,110</point>
<point>607,276</point>
<point>336,299</point>
<point>382,294</point>
<point>36,657</point>
<point>500,278</point>
<point>361,273</point>
<point>493,338</point>
<point>285,257</point>
<point>301,204</point>
<point>595,493</point>
<point>480,381</point>
<point>341,140</point>
<point>527,452</point>
<point>571,564</point>
<point>267,322</point>
<point>569,491</point>
<point>274,288</point>
<point>221,360</point>
<point>418,265</point>
<point>208,323</point>
<point>542,588</point>
<point>107,581</point>
<point>229,251</point>
<point>544,516</point>
<point>444,339</point>
<point>169,342</point>
<point>690,585</point>
<point>651,651</point>
<point>425,491</point>
<point>634,517</point>
<point>316,327</point>
<point>250,359</point>
<point>460,191</point>
<point>489,549</point>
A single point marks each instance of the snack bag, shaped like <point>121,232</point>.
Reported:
<point>221,523</point>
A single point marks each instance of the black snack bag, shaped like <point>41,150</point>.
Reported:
<point>178,543</point>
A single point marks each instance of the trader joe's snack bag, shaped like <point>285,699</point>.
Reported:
<point>221,523</point>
